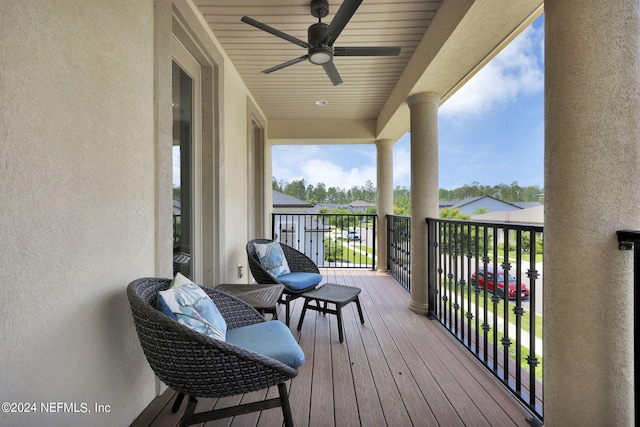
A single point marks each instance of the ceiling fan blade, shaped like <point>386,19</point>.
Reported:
<point>286,64</point>
<point>367,51</point>
<point>332,72</point>
<point>277,33</point>
<point>340,20</point>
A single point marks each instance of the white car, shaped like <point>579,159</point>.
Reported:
<point>353,235</point>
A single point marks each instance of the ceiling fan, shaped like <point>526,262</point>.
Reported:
<point>321,36</point>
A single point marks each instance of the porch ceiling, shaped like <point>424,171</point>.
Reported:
<point>443,43</point>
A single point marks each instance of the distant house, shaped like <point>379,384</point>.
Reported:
<point>487,203</point>
<point>532,215</point>
<point>300,230</point>
<point>357,206</point>
<point>289,204</point>
<point>329,206</point>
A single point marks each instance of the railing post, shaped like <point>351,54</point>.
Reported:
<point>388,251</point>
<point>431,274</point>
<point>273,226</point>
<point>373,246</point>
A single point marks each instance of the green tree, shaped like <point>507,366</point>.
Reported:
<point>402,201</point>
<point>277,185</point>
<point>344,218</point>
<point>297,189</point>
<point>402,195</point>
<point>453,213</point>
<point>318,194</point>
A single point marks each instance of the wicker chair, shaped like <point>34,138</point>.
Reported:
<point>298,262</point>
<point>198,366</point>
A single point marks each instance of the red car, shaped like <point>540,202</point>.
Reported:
<point>477,279</point>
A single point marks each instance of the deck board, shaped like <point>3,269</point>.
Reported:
<point>398,369</point>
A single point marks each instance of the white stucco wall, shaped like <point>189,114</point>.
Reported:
<point>85,186</point>
<point>236,209</point>
<point>77,206</point>
<point>592,158</point>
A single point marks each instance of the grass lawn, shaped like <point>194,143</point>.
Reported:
<point>354,251</point>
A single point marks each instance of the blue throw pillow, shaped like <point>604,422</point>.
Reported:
<point>188,304</point>
<point>272,258</point>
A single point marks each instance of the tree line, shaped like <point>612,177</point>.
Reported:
<point>321,194</point>
<point>402,195</point>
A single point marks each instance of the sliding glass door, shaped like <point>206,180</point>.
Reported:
<point>186,173</point>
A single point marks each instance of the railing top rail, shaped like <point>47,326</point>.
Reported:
<point>337,214</point>
<point>494,224</point>
<point>629,235</point>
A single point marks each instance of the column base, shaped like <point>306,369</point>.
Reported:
<point>419,308</point>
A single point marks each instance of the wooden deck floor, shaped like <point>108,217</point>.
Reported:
<point>398,369</point>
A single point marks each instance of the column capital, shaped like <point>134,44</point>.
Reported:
<point>383,142</point>
<point>422,98</point>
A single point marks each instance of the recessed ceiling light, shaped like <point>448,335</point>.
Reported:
<point>322,102</point>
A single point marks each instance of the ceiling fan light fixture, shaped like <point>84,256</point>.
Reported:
<point>320,55</point>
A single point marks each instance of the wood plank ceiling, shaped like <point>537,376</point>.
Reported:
<point>291,93</point>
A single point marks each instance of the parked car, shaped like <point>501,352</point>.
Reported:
<point>353,235</point>
<point>477,279</point>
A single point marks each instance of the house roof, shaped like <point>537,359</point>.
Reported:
<point>358,204</point>
<point>459,204</point>
<point>362,204</point>
<point>526,205</point>
<point>281,200</point>
<point>330,206</point>
<point>534,215</point>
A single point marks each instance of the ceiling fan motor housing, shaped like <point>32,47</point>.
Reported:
<point>319,8</point>
<point>318,53</point>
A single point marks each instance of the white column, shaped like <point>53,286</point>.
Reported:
<point>384,187</point>
<point>592,189</point>
<point>424,190</point>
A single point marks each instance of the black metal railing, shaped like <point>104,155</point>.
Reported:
<point>485,287</point>
<point>330,240</point>
<point>399,249</point>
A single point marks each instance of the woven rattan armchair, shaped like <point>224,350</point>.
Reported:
<point>298,263</point>
<point>199,366</point>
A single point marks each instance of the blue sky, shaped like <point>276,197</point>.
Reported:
<point>491,131</point>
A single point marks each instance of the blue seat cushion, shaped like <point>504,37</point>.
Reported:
<point>298,281</point>
<point>272,339</point>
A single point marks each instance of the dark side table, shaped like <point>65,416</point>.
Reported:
<point>263,298</point>
<point>333,293</point>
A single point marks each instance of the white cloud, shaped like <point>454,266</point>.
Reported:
<point>514,71</point>
<point>333,175</point>
<point>402,163</point>
<point>325,164</point>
